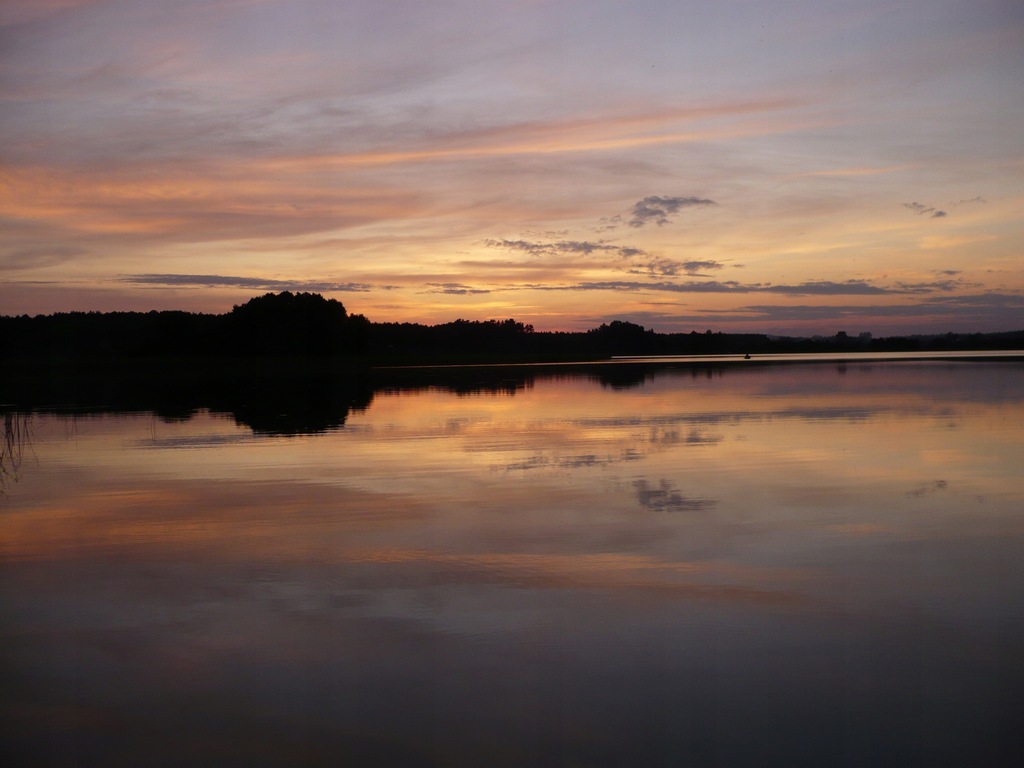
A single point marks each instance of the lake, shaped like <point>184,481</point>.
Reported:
<point>811,564</point>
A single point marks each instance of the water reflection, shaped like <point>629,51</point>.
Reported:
<point>770,565</point>
<point>666,497</point>
<point>16,439</point>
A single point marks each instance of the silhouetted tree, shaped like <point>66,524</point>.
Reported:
<point>290,324</point>
<point>623,338</point>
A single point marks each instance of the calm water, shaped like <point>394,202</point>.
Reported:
<point>799,564</point>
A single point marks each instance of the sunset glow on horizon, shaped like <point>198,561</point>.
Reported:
<point>786,167</point>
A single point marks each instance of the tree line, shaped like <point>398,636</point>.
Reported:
<point>309,326</point>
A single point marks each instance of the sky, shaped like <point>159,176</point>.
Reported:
<point>785,167</point>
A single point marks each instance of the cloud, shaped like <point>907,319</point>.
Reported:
<point>985,309</point>
<point>526,246</point>
<point>978,199</point>
<point>547,137</point>
<point>42,256</point>
<point>154,204</point>
<point>940,285</point>
<point>455,289</point>
<point>776,312</point>
<point>855,288</point>
<point>21,11</point>
<point>630,252</point>
<point>657,209</point>
<point>692,267</point>
<point>810,288</point>
<point>258,283</point>
<point>862,171</point>
<point>671,268</point>
<point>626,285</point>
<point>925,210</point>
<point>585,247</point>
<point>991,299</point>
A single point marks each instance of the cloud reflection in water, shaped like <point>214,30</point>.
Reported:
<point>773,565</point>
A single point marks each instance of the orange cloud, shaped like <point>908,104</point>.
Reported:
<point>212,206</point>
<point>593,134</point>
<point>864,171</point>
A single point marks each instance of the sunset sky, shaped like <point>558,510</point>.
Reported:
<point>786,166</point>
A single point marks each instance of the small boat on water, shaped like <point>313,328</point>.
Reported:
<point>746,356</point>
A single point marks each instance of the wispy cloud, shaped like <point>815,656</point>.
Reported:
<point>660,210</point>
<point>987,299</point>
<point>977,199</point>
<point>810,288</point>
<point>255,283</point>
<point>670,268</point>
<point>191,206</point>
<point>970,308</point>
<point>585,247</point>
<point>591,134</point>
<point>41,256</point>
<point>14,12</point>
<point>862,171</point>
<point>455,289</point>
<point>925,210</point>
<point>938,286</point>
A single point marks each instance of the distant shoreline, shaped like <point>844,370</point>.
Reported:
<point>809,357</point>
<point>274,333</point>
